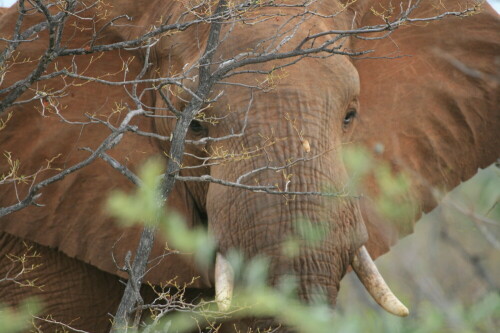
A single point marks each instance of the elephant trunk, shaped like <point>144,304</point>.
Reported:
<point>295,236</point>
<point>324,232</point>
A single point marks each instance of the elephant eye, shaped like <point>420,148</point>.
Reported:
<point>196,126</point>
<point>349,117</point>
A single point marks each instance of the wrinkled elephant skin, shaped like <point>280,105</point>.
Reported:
<point>435,123</point>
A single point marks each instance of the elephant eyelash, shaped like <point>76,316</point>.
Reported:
<point>349,117</point>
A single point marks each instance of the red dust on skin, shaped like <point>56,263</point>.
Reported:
<point>431,118</point>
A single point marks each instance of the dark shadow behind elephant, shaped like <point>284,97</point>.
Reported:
<point>434,121</point>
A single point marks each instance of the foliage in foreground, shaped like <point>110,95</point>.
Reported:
<point>18,320</point>
<point>254,298</point>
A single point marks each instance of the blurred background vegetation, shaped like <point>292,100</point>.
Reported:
<point>447,272</point>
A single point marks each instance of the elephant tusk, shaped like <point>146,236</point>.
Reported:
<point>374,283</point>
<point>224,282</point>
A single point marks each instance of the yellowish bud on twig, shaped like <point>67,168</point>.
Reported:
<point>306,146</point>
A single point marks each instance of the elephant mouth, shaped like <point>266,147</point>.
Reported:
<point>362,264</point>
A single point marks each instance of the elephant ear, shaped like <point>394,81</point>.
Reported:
<point>46,135</point>
<point>429,106</point>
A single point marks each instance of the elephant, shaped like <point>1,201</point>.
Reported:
<point>427,95</point>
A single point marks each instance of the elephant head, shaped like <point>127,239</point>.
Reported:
<point>278,127</point>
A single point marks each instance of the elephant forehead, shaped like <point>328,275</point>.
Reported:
<point>314,84</point>
<point>334,77</point>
